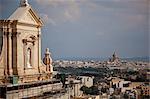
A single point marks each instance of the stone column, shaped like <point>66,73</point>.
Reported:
<point>14,54</point>
<point>5,50</point>
<point>8,46</point>
<point>24,53</point>
<point>14,48</point>
<point>10,53</point>
<point>39,48</point>
<point>32,55</point>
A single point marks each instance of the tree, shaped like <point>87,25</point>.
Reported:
<point>104,90</point>
<point>62,78</point>
<point>93,90</point>
<point>84,89</point>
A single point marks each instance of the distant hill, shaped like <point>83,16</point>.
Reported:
<point>82,58</point>
<point>144,59</point>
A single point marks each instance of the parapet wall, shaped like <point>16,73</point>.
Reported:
<point>30,90</point>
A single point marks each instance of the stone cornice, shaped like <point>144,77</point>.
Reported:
<point>13,23</point>
<point>28,24</point>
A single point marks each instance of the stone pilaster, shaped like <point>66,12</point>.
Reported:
<point>14,54</point>
<point>10,53</point>
<point>24,53</point>
<point>5,51</point>
<point>14,48</point>
<point>39,49</point>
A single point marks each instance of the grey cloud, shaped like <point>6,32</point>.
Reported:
<point>47,19</point>
<point>66,10</point>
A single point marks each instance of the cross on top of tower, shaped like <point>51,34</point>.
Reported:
<point>24,3</point>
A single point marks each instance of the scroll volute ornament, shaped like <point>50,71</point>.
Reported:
<point>31,39</point>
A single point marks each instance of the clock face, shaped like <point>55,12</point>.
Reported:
<point>1,41</point>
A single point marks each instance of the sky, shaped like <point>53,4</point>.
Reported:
<point>91,28</point>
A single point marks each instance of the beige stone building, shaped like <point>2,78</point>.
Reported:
<point>20,47</point>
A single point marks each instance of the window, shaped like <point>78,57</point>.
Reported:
<point>87,79</point>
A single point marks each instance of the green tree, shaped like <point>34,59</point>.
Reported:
<point>93,90</point>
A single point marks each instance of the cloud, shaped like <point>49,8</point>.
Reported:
<point>120,4</point>
<point>72,14</point>
<point>0,9</point>
<point>51,2</point>
<point>47,19</point>
<point>67,10</point>
<point>100,34</point>
<point>71,10</point>
<point>1,5</point>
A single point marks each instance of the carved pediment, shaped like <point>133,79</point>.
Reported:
<point>26,15</point>
<point>28,18</point>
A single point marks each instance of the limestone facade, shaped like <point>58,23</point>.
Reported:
<point>20,47</point>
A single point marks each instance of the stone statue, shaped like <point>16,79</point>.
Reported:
<point>29,58</point>
<point>24,3</point>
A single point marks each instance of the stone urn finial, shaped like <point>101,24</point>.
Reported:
<point>47,60</point>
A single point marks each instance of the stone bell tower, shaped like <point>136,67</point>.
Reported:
<point>20,45</point>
